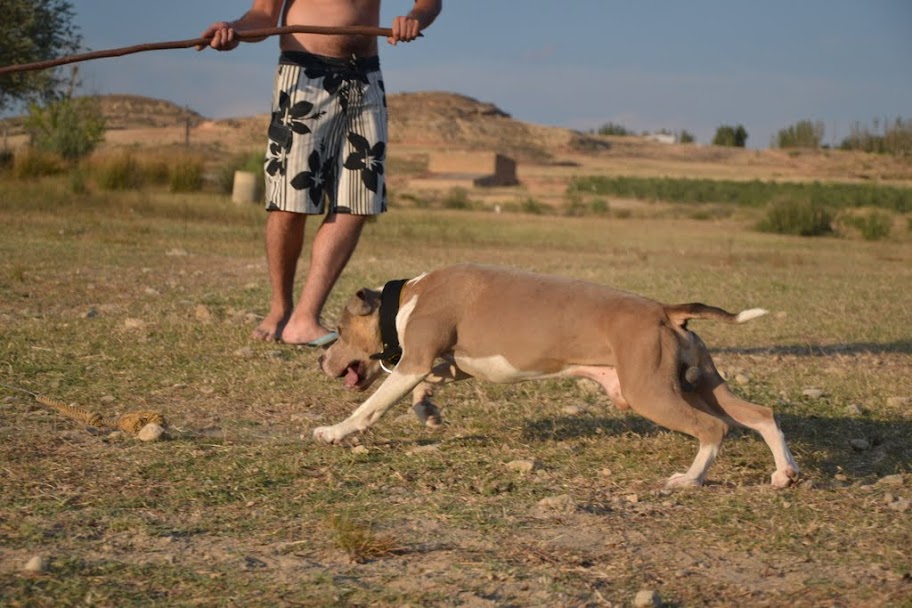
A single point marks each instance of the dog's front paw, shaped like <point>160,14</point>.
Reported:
<point>428,414</point>
<point>328,434</point>
<point>681,480</point>
<point>786,477</point>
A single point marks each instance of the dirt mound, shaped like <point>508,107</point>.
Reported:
<point>134,111</point>
<point>457,121</point>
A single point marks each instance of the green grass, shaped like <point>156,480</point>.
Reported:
<point>753,193</point>
<point>240,507</point>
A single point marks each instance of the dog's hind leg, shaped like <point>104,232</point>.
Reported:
<point>675,412</point>
<point>396,386</point>
<point>757,418</point>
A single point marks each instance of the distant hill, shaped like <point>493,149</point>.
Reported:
<point>426,118</point>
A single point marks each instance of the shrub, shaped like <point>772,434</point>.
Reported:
<point>803,218</point>
<point>599,206</point>
<point>119,173</point>
<point>30,163</point>
<point>873,226</point>
<point>457,198</point>
<point>6,159</point>
<point>803,134</point>
<point>186,175</point>
<point>70,127</point>
<point>78,182</point>
<point>533,206</point>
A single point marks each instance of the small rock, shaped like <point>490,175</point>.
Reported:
<point>572,410</point>
<point>360,449</point>
<point>151,291</point>
<point>202,313</point>
<point>522,466</point>
<point>563,503</point>
<point>91,313</point>
<point>900,504</point>
<point>742,379</point>
<point>898,401</point>
<point>647,598</point>
<point>176,253</point>
<point>891,480</point>
<point>632,498</point>
<point>37,565</point>
<point>134,323</point>
<point>854,409</point>
<point>245,352</point>
<point>108,399</point>
<point>813,393</point>
<point>424,449</point>
<point>151,432</point>
<point>860,445</point>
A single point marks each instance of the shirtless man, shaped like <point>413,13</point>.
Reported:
<point>327,144</point>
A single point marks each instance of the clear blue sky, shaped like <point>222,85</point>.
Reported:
<point>643,64</point>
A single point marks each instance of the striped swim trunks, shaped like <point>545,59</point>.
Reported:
<point>327,136</point>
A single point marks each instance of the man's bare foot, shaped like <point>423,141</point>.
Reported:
<point>301,333</point>
<point>270,328</point>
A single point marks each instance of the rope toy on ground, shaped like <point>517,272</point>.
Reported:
<point>145,425</point>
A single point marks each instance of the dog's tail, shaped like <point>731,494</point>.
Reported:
<point>680,314</point>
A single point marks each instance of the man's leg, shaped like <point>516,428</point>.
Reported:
<point>284,241</point>
<point>333,245</point>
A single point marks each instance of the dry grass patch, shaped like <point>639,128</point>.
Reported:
<point>123,301</point>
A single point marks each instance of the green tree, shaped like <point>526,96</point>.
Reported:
<point>613,129</point>
<point>30,31</point>
<point>70,127</point>
<point>802,134</point>
<point>733,137</point>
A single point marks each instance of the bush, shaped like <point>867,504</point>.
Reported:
<point>71,127</point>
<point>803,134</point>
<point>31,163</point>
<point>186,175</point>
<point>802,218</point>
<point>120,173</point>
<point>533,206</point>
<point>6,159</point>
<point>873,225</point>
<point>457,198</point>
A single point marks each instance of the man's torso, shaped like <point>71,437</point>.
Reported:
<point>331,13</point>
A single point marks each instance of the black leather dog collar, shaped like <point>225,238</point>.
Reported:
<point>389,308</point>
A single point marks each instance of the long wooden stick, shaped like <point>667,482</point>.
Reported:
<point>350,30</point>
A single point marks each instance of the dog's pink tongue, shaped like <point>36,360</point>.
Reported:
<point>351,376</point>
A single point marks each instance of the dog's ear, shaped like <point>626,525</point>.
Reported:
<point>364,302</point>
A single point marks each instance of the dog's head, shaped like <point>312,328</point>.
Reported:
<point>349,357</point>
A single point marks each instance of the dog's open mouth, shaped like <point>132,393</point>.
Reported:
<point>353,375</point>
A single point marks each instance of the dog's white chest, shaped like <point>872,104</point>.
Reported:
<point>494,369</point>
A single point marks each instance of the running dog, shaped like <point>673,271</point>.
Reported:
<point>504,325</point>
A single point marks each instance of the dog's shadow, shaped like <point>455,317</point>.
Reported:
<point>858,447</point>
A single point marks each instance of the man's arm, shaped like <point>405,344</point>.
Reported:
<point>223,34</point>
<point>407,28</point>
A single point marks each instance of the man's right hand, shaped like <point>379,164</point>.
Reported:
<point>221,35</point>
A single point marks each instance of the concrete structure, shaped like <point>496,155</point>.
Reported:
<point>468,169</point>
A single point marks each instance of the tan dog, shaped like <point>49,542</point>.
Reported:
<point>504,325</point>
